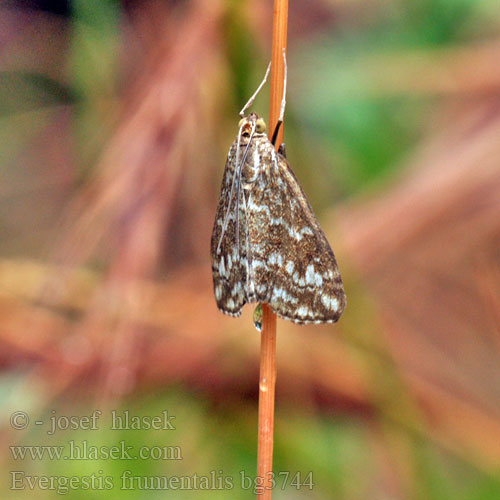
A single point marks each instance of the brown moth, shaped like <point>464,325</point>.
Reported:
<point>267,245</point>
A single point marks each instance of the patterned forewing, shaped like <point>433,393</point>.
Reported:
<point>292,265</point>
<point>229,264</point>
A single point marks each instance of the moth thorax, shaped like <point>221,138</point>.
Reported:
<point>249,174</point>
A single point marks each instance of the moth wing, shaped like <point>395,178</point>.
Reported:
<point>229,264</point>
<point>292,265</point>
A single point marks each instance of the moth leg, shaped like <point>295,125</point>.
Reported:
<point>281,150</point>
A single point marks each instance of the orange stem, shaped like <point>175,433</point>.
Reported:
<point>266,402</point>
<point>268,336</point>
<point>280,23</point>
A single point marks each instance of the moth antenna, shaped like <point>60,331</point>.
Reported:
<point>228,212</point>
<point>252,99</point>
<point>238,191</point>
<point>283,104</point>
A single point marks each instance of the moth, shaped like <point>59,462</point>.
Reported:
<point>267,245</point>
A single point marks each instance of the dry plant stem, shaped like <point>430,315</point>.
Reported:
<point>268,335</point>
<point>266,399</point>
<point>280,23</point>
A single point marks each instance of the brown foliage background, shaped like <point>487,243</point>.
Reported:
<point>115,125</point>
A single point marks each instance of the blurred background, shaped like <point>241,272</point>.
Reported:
<point>115,121</point>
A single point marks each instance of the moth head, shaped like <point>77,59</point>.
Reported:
<point>252,120</point>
